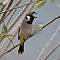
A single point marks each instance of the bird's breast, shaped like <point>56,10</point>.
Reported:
<point>25,30</point>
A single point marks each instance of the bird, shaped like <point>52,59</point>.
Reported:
<point>25,29</point>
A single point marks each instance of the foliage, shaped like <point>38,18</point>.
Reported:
<point>4,34</point>
<point>52,1</point>
<point>1,3</point>
<point>42,3</point>
<point>4,31</point>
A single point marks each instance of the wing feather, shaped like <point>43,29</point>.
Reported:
<point>19,33</point>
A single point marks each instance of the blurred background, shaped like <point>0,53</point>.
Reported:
<point>34,45</point>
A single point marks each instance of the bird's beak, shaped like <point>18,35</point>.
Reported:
<point>35,13</point>
<point>35,17</point>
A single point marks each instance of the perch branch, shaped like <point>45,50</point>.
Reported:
<point>51,21</point>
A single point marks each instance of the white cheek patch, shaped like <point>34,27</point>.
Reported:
<point>28,18</point>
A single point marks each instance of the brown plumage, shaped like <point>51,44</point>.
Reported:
<point>25,29</point>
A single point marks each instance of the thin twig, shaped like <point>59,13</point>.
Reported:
<point>20,14</point>
<point>51,21</point>
<point>18,7</point>
<point>5,41</point>
<point>52,51</point>
<point>32,7</point>
<point>2,46</point>
<point>13,12</point>
<point>10,42</point>
<point>49,42</point>
<point>10,49</point>
<point>2,8</point>
<point>4,4</point>
<point>2,18</point>
<point>57,4</point>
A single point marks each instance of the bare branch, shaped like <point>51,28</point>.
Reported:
<point>10,42</point>
<point>4,43</point>
<point>18,7</point>
<point>2,8</point>
<point>13,12</point>
<point>4,4</point>
<point>2,18</point>
<point>51,21</point>
<point>52,51</point>
<point>10,49</point>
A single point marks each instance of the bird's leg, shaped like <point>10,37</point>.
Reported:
<point>24,40</point>
<point>30,35</point>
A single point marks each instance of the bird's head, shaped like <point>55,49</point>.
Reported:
<point>30,17</point>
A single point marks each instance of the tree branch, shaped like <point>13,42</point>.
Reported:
<point>52,51</point>
<point>18,7</point>
<point>13,12</point>
<point>2,18</point>
<point>10,49</point>
<point>51,21</point>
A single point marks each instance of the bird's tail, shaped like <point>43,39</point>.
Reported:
<point>21,49</point>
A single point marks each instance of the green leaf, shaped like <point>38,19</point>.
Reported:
<point>4,31</point>
<point>1,3</point>
<point>11,41</point>
<point>52,1</point>
<point>39,1</point>
<point>3,36</point>
<point>41,4</point>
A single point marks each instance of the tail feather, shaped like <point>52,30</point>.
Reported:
<point>21,49</point>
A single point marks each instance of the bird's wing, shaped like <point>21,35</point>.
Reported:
<point>19,33</point>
